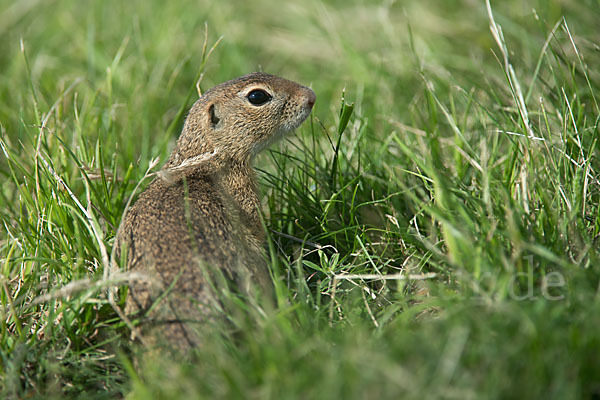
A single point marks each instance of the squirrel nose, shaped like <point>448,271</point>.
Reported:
<point>311,97</point>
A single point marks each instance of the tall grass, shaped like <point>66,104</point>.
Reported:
<point>433,228</point>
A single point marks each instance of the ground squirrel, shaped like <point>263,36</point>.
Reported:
<point>201,211</point>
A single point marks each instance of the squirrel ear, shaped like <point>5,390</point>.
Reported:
<point>214,119</point>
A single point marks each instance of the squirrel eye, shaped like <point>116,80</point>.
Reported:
<point>258,97</point>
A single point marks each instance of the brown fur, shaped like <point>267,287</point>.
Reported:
<point>201,214</point>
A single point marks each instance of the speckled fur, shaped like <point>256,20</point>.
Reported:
<point>207,216</point>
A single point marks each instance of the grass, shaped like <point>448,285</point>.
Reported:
<point>450,141</point>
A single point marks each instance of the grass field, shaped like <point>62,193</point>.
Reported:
<point>450,142</point>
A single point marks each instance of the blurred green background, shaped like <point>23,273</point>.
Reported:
<point>153,51</point>
<point>431,172</point>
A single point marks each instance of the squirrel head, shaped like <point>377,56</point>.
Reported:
<point>234,121</point>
